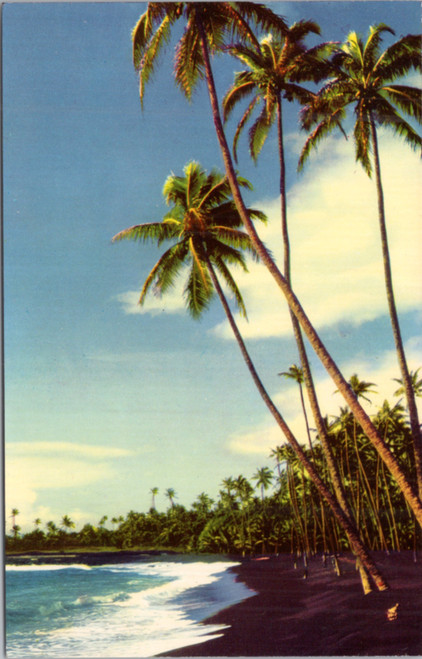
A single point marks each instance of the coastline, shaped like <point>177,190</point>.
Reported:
<point>323,615</point>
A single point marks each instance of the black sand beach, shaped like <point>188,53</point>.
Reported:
<point>324,615</point>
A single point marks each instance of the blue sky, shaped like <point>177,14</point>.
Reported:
<point>104,400</point>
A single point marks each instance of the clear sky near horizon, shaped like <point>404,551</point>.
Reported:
<point>105,400</point>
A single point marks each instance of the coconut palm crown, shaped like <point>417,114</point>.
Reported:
<point>364,76</point>
<point>274,70</point>
<point>202,224</point>
<point>219,21</point>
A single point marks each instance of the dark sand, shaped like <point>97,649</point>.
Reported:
<point>324,615</point>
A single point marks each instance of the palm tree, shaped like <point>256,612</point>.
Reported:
<point>13,515</point>
<point>207,25</point>
<point>154,492</point>
<point>362,76</point>
<point>296,373</point>
<point>263,477</point>
<point>202,225</point>
<point>37,522</point>
<point>361,387</point>
<point>416,384</point>
<point>67,523</point>
<point>170,493</point>
<point>51,528</point>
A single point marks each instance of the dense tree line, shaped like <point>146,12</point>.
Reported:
<point>275,510</point>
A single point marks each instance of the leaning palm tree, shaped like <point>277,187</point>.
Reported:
<point>296,373</point>
<point>363,77</point>
<point>170,493</point>
<point>207,26</point>
<point>202,227</point>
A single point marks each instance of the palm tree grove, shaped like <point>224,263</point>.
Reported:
<point>350,484</point>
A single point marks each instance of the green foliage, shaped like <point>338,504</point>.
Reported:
<point>203,225</point>
<point>289,514</point>
<point>362,76</point>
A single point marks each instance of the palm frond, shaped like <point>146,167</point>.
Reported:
<point>170,268</point>
<point>325,127</point>
<point>371,49</point>
<point>399,58</point>
<point>301,29</point>
<point>242,123</point>
<point>242,87</point>
<point>189,65</point>
<point>231,284</point>
<point>154,231</point>
<point>252,58</point>
<point>407,99</point>
<point>166,261</point>
<point>199,290</point>
<point>239,240</point>
<point>258,133</point>
<point>215,190</point>
<point>387,116</point>
<point>362,135</point>
<point>259,15</point>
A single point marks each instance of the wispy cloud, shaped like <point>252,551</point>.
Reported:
<point>172,302</point>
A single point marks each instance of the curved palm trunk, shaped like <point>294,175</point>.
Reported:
<point>294,304</point>
<point>358,548</point>
<point>407,381</point>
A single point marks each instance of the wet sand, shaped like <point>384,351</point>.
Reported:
<point>323,615</point>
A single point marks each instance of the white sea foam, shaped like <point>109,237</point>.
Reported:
<point>149,622</point>
<point>46,567</point>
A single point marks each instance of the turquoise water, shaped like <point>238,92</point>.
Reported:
<point>117,610</point>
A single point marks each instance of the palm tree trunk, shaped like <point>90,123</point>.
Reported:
<point>294,304</point>
<point>307,374</point>
<point>344,521</point>
<point>407,382</point>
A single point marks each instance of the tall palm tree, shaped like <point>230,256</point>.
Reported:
<point>362,76</point>
<point>263,477</point>
<point>207,25</point>
<point>13,515</point>
<point>170,493</point>
<point>296,373</point>
<point>202,227</point>
<point>154,492</point>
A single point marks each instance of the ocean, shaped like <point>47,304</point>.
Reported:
<point>133,609</point>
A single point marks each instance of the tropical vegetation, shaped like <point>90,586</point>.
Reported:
<point>275,509</point>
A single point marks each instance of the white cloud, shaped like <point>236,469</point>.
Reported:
<point>266,435</point>
<point>172,302</point>
<point>336,255</point>
<point>32,467</point>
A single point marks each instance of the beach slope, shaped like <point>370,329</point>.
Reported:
<point>323,615</point>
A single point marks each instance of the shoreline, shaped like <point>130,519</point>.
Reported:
<point>323,615</point>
